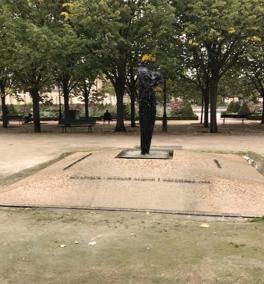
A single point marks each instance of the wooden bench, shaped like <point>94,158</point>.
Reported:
<point>82,122</point>
<point>18,118</point>
<point>234,116</point>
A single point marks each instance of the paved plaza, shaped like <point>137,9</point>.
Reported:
<point>209,182</point>
<point>190,182</point>
<point>20,149</point>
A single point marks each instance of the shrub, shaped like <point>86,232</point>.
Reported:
<point>233,107</point>
<point>236,107</point>
<point>176,107</point>
<point>12,110</point>
<point>244,109</point>
<point>126,108</point>
<point>187,110</point>
<point>230,107</point>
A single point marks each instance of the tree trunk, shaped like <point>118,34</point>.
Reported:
<point>86,104</point>
<point>4,111</point>
<point>213,105</point>
<point>66,94</point>
<point>164,118</point>
<point>133,112</point>
<point>206,110</point>
<point>202,110</point>
<point>120,90</point>
<point>132,106</point>
<point>87,91</point>
<point>36,116</point>
<point>262,120</point>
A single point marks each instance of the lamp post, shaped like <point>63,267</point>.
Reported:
<point>164,118</point>
<point>60,111</point>
<point>202,110</point>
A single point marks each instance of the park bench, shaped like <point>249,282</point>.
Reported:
<point>101,118</point>
<point>225,116</point>
<point>82,122</point>
<point>18,118</point>
<point>255,116</point>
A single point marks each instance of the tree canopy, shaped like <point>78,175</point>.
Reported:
<point>69,43</point>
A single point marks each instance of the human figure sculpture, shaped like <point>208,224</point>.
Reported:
<point>147,80</point>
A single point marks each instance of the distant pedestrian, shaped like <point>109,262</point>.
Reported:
<point>27,118</point>
<point>107,116</point>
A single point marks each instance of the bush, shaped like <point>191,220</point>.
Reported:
<point>12,110</point>
<point>187,110</point>
<point>233,107</point>
<point>176,107</point>
<point>244,109</point>
<point>236,106</point>
<point>230,107</point>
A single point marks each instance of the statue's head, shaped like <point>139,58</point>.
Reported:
<point>146,62</point>
<point>157,77</point>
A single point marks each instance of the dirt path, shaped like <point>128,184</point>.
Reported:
<point>21,149</point>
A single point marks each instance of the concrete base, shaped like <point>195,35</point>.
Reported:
<point>190,182</point>
<point>160,154</point>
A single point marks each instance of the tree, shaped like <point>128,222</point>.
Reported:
<point>67,56</point>
<point>6,38</point>
<point>31,52</point>
<point>84,87</point>
<point>253,70</point>
<point>217,33</point>
<point>131,82</point>
<point>113,30</point>
<point>192,72</point>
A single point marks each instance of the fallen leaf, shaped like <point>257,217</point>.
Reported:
<point>204,225</point>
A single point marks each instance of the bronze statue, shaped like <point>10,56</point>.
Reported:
<point>147,80</point>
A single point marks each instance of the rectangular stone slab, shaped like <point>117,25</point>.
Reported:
<point>162,154</point>
<point>190,182</point>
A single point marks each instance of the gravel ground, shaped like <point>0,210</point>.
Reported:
<point>74,246</point>
<point>65,246</point>
<point>21,149</point>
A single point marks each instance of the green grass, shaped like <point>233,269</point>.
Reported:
<point>259,160</point>
<point>258,220</point>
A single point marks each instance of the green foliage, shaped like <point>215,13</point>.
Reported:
<point>187,110</point>
<point>30,42</point>
<point>182,109</point>
<point>43,43</point>
<point>213,35</point>
<point>258,220</point>
<point>233,107</point>
<point>12,110</point>
<point>119,33</point>
<point>127,111</point>
<point>99,110</point>
<point>230,108</point>
<point>244,109</point>
<point>185,90</point>
<point>236,107</point>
